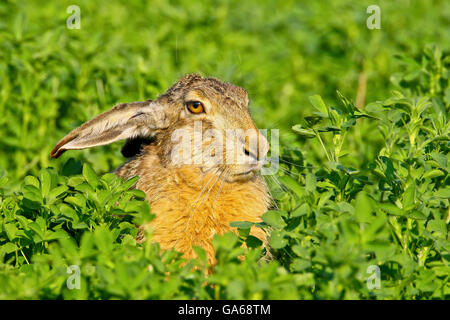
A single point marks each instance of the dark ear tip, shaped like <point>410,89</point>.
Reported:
<point>58,149</point>
<point>56,152</point>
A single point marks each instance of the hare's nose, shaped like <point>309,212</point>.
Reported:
<point>248,153</point>
<point>256,145</point>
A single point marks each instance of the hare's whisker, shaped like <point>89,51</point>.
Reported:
<point>205,196</point>
<point>213,175</point>
<point>197,204</point>
<point>294,164</point>
<point>282,185</point>
<point>274,202</point>
<point>276,182</point>
<point>213,184</point>
<point>289,172</point>
<point>221,186</point>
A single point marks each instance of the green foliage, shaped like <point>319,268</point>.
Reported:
<point>359,185</point>
<point>392,212</point>
<point>56,222</point>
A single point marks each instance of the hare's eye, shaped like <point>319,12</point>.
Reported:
<point>195,106</point>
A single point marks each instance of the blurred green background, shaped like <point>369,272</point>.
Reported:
<point>52,78</point>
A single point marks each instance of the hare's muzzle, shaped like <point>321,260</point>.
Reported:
<point>251,154</point>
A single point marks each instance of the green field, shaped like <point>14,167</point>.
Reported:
<point>363,116</point>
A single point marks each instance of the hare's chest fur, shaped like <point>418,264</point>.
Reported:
<point>191,207</point>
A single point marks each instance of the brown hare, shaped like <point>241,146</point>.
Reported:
<point>179,146</point>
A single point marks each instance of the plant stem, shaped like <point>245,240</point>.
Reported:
<point>23,254</point>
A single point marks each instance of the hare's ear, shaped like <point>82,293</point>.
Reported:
<point>123,121</point>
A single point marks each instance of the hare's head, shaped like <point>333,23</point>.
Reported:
<point>200,122</point>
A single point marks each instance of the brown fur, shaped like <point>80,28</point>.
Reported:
<point>192,202</point>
